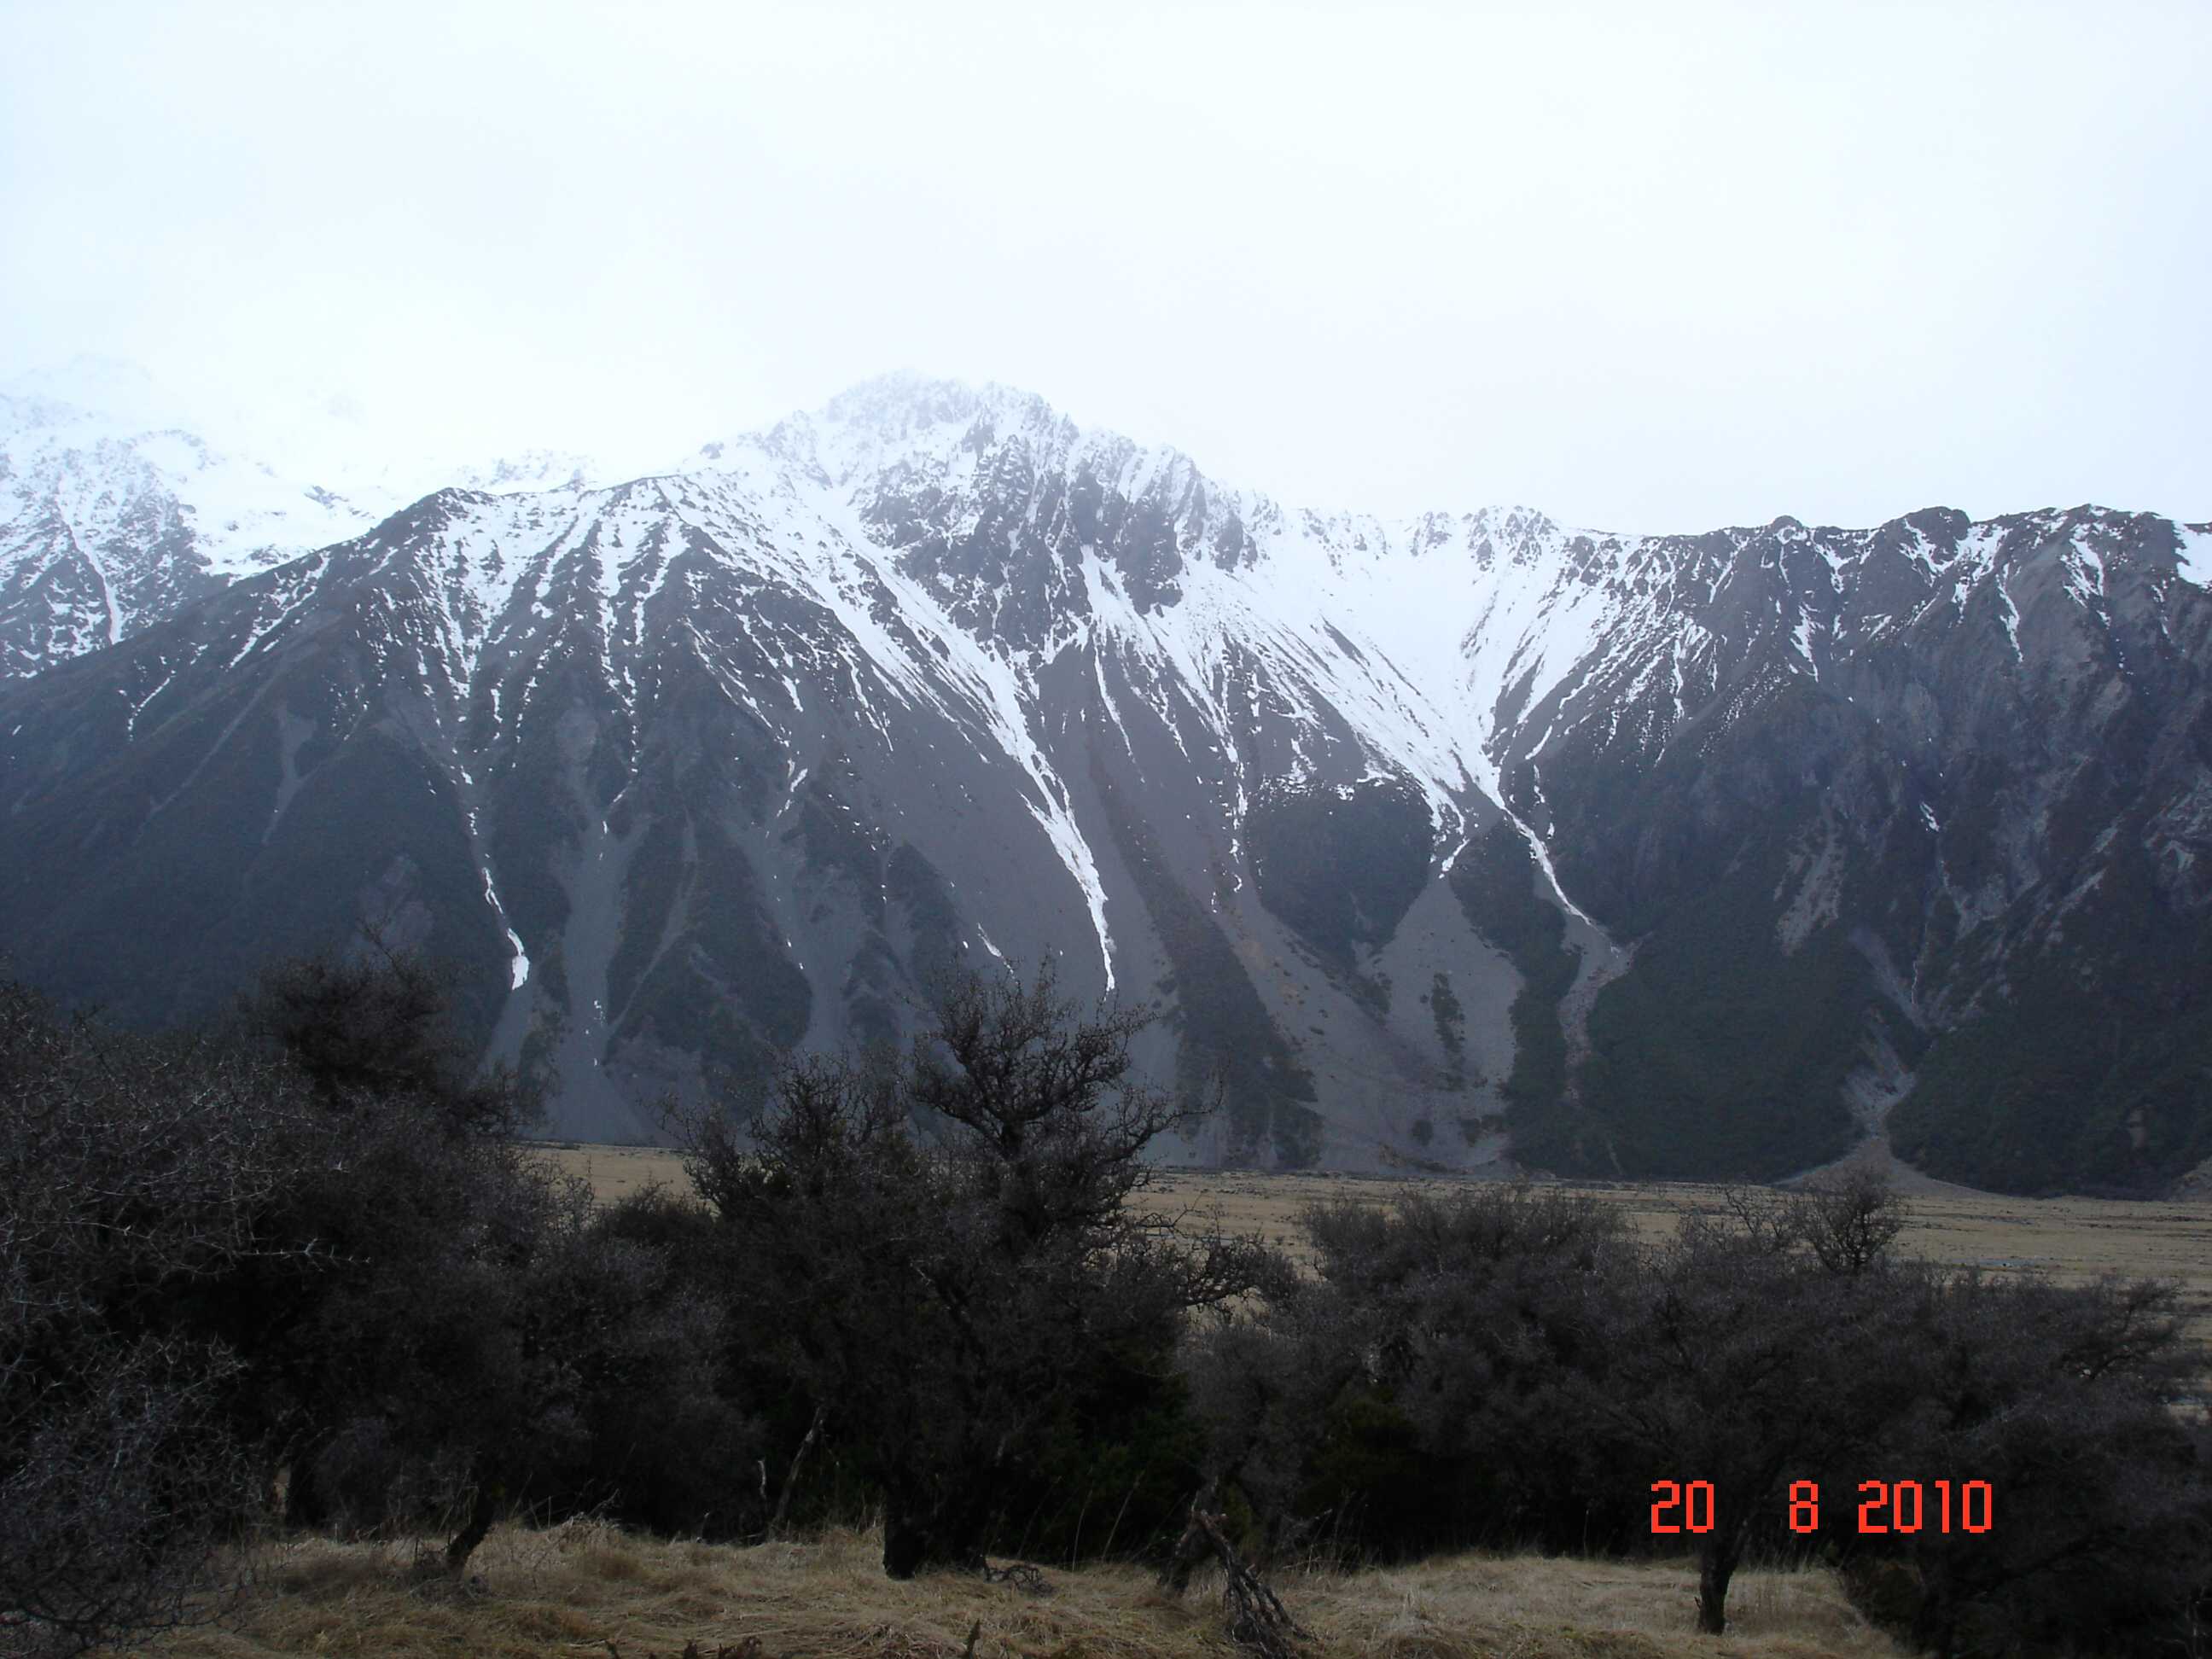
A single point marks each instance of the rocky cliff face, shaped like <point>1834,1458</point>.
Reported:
<point>1466,841</point>
<point>1923,825</point>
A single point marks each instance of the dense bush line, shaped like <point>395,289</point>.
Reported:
<point>1507,1367</point>
<point>298,1269</point>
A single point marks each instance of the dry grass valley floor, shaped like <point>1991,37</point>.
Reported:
<point>2075,1239</point>
<point>585,1588</point>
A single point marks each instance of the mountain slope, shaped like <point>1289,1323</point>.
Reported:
<point>116,510</point>
<point>1447,841</point>
<point>1949,795</point>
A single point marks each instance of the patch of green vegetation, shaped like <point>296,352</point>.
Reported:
<point>656,870</point>
<point>1371,992</point>
<point>2095,1074</point>
<point>84,869</point>
<point>1451,1028</point>
<point>1225,1030</point>
<point>1634,841</point>
<point>680,1005</point>
<point>375,831</point>
<point>1497,885</point>
<point>1340,869</point>
<point>837,836</point>
<point>917,887</point>
<point>867,991</point>
<point>734,932</point>
<point>726,986</point>
<point>549,968</point>
<point>536,1064</point>
<point>534,816</point>
<point>1717,1055</point>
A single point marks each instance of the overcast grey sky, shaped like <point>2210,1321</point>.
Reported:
<point>1647,267</point>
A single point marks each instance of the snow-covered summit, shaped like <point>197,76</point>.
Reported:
<point>1501,628</point>
<point>108,389</point>
<point>120,501</point>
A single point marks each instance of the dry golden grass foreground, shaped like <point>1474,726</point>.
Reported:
<point>585,1587</point>
<point>2074,1238</point>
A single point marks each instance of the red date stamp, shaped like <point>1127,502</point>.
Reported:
<point>1885,1506</point>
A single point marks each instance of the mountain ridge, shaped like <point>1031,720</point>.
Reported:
<point>732,758</point>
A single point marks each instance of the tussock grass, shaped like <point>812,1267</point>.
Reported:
<point>578,1587</point>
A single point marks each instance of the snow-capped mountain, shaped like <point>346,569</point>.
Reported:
<point>1459,840</point>
<point>117,505</point>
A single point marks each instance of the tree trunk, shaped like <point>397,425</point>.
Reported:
<point>1936,1622</point>
<point>1715,1566</point>
<point>482,1507</point>
<point>939,1533</point>
<point>306,1506</point>
<point>1258,1622</point>
<point>1194,1548</point>
<point>903,1544</point>
<point>791,1479</point>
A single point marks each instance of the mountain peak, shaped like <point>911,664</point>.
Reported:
<point>900,416</point>
<point>113,386</point>
<point>905,400</point>
<point>913,411</point>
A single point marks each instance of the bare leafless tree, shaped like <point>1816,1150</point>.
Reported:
<point>1850,1220</point>
<point>132,1167</point>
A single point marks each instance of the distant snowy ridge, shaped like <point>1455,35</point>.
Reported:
<point>116,507</point>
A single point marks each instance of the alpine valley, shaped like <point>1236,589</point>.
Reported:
<point>1465,841</point>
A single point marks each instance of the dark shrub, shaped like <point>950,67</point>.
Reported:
<point>965,1305</point>
<point>130,1166</point>
<point>1415,1397</point>
<point>2061,1398</point>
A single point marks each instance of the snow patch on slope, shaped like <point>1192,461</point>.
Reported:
<point>2196,552</point>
